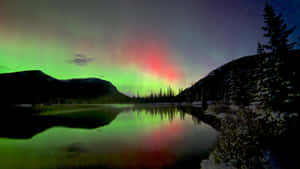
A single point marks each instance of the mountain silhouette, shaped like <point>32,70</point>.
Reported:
<point>239,81</point>
<point>38,87</point>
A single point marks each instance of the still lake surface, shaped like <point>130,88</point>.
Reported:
<point>131,139</point>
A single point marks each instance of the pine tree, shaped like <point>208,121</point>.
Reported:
<point>277,31</point>
<point>260,49</point>
<point>160,92</point>
<point>275,80</point>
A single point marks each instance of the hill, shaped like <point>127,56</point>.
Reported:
<point>240,82</point>
<point>38,87</point>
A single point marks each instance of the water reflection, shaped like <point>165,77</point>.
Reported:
<point>170,112</point>
<point>136,138</point>
<point>24,126</point>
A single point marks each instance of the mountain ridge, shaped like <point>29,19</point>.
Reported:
<point>239,82</point>
<point>34,86</point>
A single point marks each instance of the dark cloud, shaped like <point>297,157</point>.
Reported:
<point>81,60</point>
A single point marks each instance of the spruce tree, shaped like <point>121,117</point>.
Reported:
<point>260,49</point>
<point>277,31</point>
<point>275,83</point>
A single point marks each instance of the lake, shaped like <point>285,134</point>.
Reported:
<point>120,137</point>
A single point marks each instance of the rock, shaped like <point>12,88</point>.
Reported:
<point>211,164</point>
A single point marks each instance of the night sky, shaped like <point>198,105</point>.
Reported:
<point>138,45</point>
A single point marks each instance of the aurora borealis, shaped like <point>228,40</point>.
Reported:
<point>138,45</point>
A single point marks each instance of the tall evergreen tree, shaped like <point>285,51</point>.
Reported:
<point>277,31</point>
<point>275,81</point>
<point>260,49</point>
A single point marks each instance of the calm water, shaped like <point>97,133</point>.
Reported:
<point>160,138</point>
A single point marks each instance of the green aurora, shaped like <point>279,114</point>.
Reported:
<point>19,53</point>
<point>139,46</point>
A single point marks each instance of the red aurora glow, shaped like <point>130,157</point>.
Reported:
<point>152,56</point>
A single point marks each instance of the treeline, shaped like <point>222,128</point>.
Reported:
<point>162,96</point>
